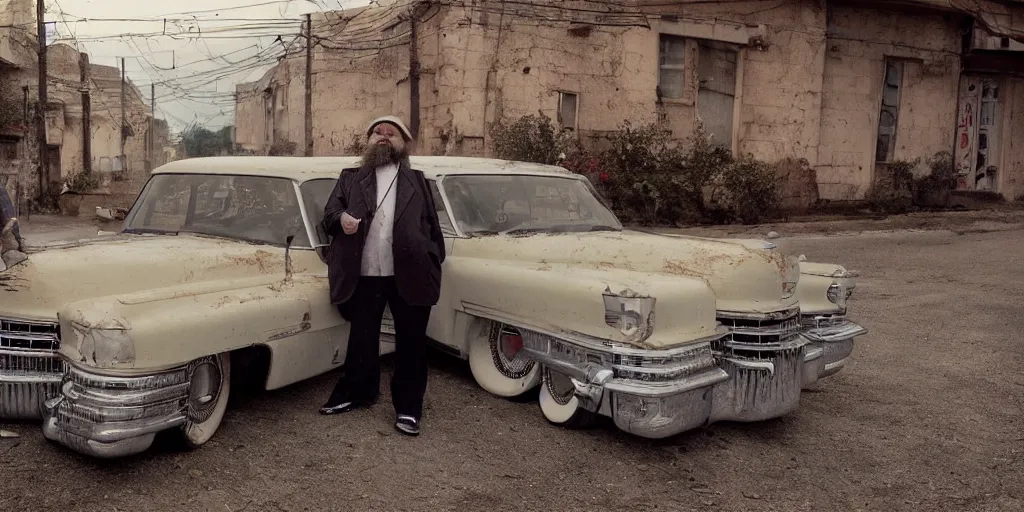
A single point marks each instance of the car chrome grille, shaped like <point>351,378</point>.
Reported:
<point>30,369</point>
<point>24,335</point>
<point>760,338</point>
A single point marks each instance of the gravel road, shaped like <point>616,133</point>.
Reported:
<point>928,416</point>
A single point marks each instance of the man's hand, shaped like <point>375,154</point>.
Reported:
<point>349,224</point>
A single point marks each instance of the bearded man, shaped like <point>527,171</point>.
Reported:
<point>386,250</point>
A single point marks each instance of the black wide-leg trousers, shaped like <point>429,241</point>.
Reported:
<point>361,379</point>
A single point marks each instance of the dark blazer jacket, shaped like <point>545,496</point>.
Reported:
<point>418,246</point>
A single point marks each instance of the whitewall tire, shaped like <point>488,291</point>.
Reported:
<point>209,388</point>
<point>559,405</point>
<point>499,365</point>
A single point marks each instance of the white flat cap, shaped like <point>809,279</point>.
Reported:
<point>390,120</point>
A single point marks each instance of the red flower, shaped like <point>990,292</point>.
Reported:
<point>603,177</point>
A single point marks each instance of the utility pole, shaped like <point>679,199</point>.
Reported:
<point>152,126</point>
<point>86,114</point>
<point>41,108</point>
<point>24,151</point>
<point>124,118</point>
<point>414,76</point>
<point>309,85</point>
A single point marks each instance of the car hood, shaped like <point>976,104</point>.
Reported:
<point>60,273</point>
<point>746,275</point>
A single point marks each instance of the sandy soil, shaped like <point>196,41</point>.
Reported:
<point>929,416</point>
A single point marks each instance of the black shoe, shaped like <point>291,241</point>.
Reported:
<point>407,425</point>
<point>346,406</point>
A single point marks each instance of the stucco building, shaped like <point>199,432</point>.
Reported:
<point>849,86</point>
<point>121,177</point>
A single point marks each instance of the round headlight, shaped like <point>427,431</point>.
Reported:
<point>837,294</point>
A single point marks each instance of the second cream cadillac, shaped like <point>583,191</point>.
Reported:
<point>220,264</point>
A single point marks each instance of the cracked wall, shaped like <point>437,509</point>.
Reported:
<point>809,78</point>
<point>64,119</point>
<point>859,41</point>
<point>780,90</point>
<point>1012,185</point>
<point>496,67</point>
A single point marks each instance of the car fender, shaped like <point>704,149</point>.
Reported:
<point>812,288</point>
<point>570,299</point>
<point>171,326</point>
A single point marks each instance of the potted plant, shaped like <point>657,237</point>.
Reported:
<point>75,186</point>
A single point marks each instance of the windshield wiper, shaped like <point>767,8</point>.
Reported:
<point>148,231</point>
<point>483,232</point>
<point>524,231</point>
<point>560,228</point>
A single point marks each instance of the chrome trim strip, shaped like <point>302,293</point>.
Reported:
<point>310,231</point>
<point>590,342</point>
<point>707,378</point>
<point>15,335</point>
<point>31,378</point>
<point>836,333</point>
<point>796,341</point>
<point>29,352</point>
<point>783,314</point>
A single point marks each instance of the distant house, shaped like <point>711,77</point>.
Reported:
<point>849,86</point>
<point>122,175</point>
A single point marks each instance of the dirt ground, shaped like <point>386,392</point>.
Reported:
<point>928,416</point>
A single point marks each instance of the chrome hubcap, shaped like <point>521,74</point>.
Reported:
<point>204,389</point>
<point>506,347</point>
<point>559,386</point>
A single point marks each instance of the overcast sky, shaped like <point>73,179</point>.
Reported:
<point>196,57</point>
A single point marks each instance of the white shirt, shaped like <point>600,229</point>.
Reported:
<point>378,260</point>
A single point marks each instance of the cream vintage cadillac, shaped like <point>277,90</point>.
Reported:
<point>218,275</point>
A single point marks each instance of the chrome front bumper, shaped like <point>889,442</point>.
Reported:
<point>749,374</point>
<point>110,417</point>
<point>830,345</point>
<point>650,393</point>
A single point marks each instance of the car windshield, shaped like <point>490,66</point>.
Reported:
<point>513,204</point>
<point>250,208</point>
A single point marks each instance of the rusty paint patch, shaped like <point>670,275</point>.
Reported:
<point>10,283</point>
<point>292,331</point>
<point>701,264</point>
<point>262,260</point>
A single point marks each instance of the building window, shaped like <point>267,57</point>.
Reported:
<point>889,114</point>
<point>568,107</point>
<point>9,150</point>
<point>671,69</point>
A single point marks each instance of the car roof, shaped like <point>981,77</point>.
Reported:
<point>320,167</point>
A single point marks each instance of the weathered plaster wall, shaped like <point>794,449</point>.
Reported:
<point>64,120</point>
<point>780,95</point>
<point>495,67</point>
<point>859,41</point>
<point>355,79</point>
<point>810,87</point>
<point>1012,185</point>
<point>250,117</point>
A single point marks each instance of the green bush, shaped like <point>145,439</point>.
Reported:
<point>647,178</point>
<point>643,181</point>
<point>893,189</point>
<point>529,139</point>
<point>750,191</point>
<point>896,190</point>
<point>81,182</point>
